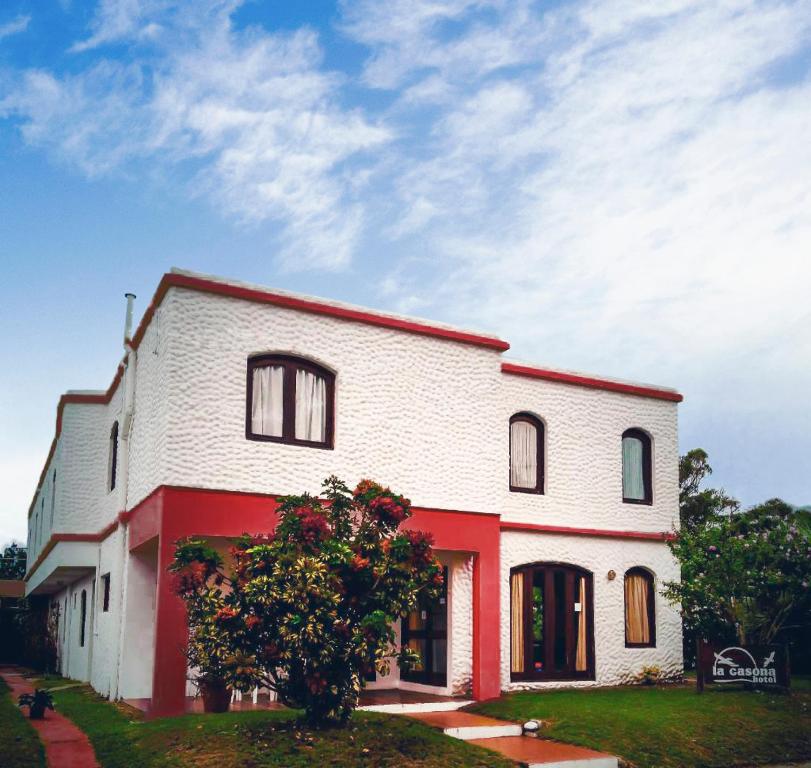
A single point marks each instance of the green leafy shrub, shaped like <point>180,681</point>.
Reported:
<point>308,609</point>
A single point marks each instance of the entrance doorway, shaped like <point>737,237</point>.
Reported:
<point>551,623</point>
<point>425,630</point>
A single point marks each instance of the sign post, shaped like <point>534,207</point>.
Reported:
<point>761,666</point>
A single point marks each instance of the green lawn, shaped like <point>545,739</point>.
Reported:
<point>671,727</point>
<point>20,746</point>
<point>122,739</point>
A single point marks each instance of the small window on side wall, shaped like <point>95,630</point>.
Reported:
<point>289,400</point>
<point>105,600</point>
<point>112,465</point>
<point>526,454</point>
<point>636,467</point>
<point>640,609</point>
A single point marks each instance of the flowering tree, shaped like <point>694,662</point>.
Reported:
<point>308,610</point>
<point>746,575</point>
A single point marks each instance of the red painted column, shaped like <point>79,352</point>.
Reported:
<point>171,634</point>
<point>487,621</point>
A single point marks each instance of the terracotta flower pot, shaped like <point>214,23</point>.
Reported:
<point>216,695</point>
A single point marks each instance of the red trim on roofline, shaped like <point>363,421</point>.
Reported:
<point>600,532</point>
<point>173,279</point>
<point>590,382</point>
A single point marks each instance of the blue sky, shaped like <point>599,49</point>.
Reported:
<point>613,186</point>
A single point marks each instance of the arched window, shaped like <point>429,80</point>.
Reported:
<point>526,454</point>
<point>290,400</point>
<point>640,609</point>
<point>112,464</point>
<point>636,467</point>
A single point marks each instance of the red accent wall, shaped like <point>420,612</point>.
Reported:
<point>172,513</point>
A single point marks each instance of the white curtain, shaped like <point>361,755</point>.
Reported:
<point>633,480</point>
<point>311,407</point>
<point>523,455</point>
<point>267,408</point>
<point>517,623</point>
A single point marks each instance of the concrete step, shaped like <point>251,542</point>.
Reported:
<point>542,753</point>
<point>415,708</point>
<point>467,726</point>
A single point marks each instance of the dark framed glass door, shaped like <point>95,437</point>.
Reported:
<point>425,630</point>
<point>551,623</point>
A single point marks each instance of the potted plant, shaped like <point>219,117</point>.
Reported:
<point>199,583</point>
<point>37,702</point>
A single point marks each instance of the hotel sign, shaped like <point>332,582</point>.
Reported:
<point>762,666</point>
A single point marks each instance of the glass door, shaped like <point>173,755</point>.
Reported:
<point>425,630</point>
<point>551,623</point>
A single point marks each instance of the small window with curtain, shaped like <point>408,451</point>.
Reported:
<point>289,400</point>
<point>636,467</point>
<point>112,464</point>
<point>526,454</point>
<point>640,609</point>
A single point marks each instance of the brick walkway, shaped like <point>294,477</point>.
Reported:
<point>65,745</point>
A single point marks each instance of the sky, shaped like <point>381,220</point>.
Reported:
<point>616,186</point>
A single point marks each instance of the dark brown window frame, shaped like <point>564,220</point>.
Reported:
<point>540,434</point>
<point>563,675</point>
<point>105,600</point>
<point>647,466</point>
<point>113,457</point>
<point>649,577</point>
<point>291,364</point>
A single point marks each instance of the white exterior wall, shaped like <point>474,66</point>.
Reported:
<point>583,472</point>
<point>425,415</point>
<point>410,411</point>
<point>614,663</point>
<point>106,625</point>
<point>74,659</point>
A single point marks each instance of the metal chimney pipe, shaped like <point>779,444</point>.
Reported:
<point>130,297</point>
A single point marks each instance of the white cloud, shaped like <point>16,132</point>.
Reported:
<point>252,113</point>
<point>15,26</point>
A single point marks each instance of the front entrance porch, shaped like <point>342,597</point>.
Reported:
<point>468,543</point>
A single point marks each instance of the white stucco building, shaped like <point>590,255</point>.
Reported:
<point>549,493</point>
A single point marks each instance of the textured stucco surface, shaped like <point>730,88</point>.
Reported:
<point>614,663</point>
<point>583,470</point>
<point>425,415</point>
<point>408,411</point>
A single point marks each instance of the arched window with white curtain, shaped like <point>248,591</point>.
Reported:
<point>289,400</point>
<point>637,485</point>
<point>526,454</point>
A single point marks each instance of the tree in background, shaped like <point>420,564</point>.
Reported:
<point>700,506</point>
<point>12,562</point>
<point>309,609</point>
<point>744,575</point>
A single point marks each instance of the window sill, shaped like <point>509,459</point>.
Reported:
<point>644,502</point>
<point>287,441</point>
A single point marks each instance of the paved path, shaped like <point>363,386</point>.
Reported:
<point>65,745</point>
<point>507,739</point>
